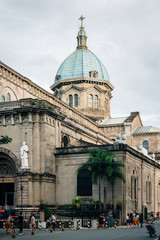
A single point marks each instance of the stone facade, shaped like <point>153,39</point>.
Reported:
<point>85,87</point>
<point>137,166</point>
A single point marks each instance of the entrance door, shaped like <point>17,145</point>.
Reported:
<point>9,198</point>
<point>6,194</point>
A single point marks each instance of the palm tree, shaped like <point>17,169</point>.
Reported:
<point>115,173</point>
<point>100,164</point>
<point>5,140</point>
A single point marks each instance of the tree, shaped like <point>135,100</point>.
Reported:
<point>102,166</point>
<point>115,173</point>
<point>5,140</point>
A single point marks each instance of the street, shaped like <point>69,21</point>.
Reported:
<point>134,233</point>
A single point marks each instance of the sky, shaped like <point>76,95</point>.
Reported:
<point>37,35</point>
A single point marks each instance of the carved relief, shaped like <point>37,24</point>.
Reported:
<point>5,169</point>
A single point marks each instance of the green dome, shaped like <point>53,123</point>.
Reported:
<point>79,64</point>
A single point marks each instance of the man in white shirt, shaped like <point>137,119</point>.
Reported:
<point>54,221</point>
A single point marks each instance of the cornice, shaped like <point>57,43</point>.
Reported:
<point>80,80</point>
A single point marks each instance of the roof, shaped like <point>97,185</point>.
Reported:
<point>146,129</point>
<point>79,64</point>
<point>111,121</point>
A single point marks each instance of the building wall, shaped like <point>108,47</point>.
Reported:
<point>136,164</point>
<point>84,90</point>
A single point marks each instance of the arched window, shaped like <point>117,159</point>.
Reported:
<point>134,186</point>
<point>3,98</point>
<point>90,100</point>
<point>8,97</point>
<point>76,100</point>
<point>148,190</point>
<point>145,144</point>
<point>96,101</point>
<point>84,183</point>
<point>94,75</point>
<point>71,100</point>
<point>65,142</point>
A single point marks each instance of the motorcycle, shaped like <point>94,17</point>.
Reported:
<point>151,229</point>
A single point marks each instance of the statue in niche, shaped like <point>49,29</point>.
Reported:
<point>24,156</point>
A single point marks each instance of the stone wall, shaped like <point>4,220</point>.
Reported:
<point>137,165</point>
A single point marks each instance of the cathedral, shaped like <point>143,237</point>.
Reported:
<point>51,131</point>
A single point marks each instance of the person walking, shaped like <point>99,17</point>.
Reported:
<point>102,220</point>
<point>131,219</point>
<point>110,219</point>
<point>48,223</point>
<point>54,221</point>
<point>157,214</point>
<point>20,220</point>
<point>141,220</point>
<point>33,224</point>
<point>8,223</point>
<point>136,219</point>
<point>127,220</point>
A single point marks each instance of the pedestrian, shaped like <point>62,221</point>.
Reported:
<point>54,221</point>
<point>33,224</point>
<point>48,223</point>
<point>102,220</point>
<point>6,206</point>
<point>141,220</point>
<point>136,219</point>
<point>127,220</point>
<point>152,216</point>
<point>131,219</point>
<point>110,219</point>
<point>8,223</point>
<point>157,214</point>
<point>29,221</point>
<point>20,220</point>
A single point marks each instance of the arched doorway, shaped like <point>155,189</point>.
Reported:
<point>8,172</point>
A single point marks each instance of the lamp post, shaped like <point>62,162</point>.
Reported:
<point>21,191</point>
<point>135,204</point>
<point>3,193</point>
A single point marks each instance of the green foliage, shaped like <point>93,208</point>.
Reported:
<point>5,140</point>
<point>77,202</point>
<point>33,102</point>
<point>100,164</point>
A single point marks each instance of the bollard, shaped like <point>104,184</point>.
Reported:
<point>78,225</point>
<point>39,225</point>
<point>62,226</point>
<point>88,224</point>
<point>97,223</point>
<point>13,232</point>
<point>32,233</point>
<point>106,224</point>
<point>115,224</point>
<point>4,225</point>
<point>70,224</point>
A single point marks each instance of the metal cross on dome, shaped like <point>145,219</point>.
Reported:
<point>81,18</point>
